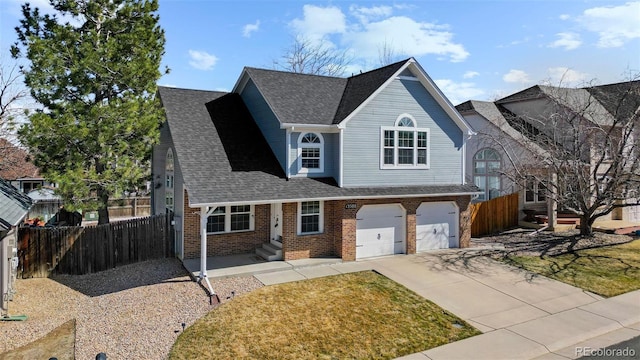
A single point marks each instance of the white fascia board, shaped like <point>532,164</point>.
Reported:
<point>310,127</point>
<point>241,82</point>
<point>330,198</point>
<point>441,99</point>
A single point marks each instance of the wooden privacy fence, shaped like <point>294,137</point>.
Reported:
<point>489,217</point>
<point>83,250</point>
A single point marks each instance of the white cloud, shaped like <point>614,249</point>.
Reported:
<point>516,76</point>
<point>202,60</point>
<point>615,25</point>
<point>409,37</point>
<point>365,14</point>
<point>470,74</point>
<point>564,17</point>
<point>459,92</point>
<point>250,28</point>
<point>367,29</point>
<point>566,40</point>
<point>319,22</point>
<point>565,77</point>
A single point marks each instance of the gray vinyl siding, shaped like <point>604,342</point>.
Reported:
<point>331,144</point>
<point>362,139</point>
<point>266,120</point>
<point>159,160</point>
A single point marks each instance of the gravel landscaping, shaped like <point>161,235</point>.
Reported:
<point>130,312</point>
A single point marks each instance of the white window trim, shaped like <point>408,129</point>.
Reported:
<point>320,220</point>
<point>487,174</point>
<point>395,165</point>
<point>169,191</point>
<point>536,199</point>
<point>302,170</point>
<point>227,220</point>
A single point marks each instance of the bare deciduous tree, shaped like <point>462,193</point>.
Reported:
<point>386,54</point>
<point>310,57</point>
<point>12,93</point>
<point>582,147</point>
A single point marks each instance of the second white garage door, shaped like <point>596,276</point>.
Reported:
<point>380,230</point>
<point>436,226</point>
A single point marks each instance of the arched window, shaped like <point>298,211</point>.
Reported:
<point>487,165</point>
<point>169,191</point>
<point>310,153</point>
<point>404,145</point>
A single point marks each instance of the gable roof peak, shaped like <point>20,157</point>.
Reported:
<point>382,68</point>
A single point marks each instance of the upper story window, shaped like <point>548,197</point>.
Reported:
<point>230,219</point>
<point>310,153</point>
<point>487,165</point>
<point>404,145</point>
<point>169,192</point>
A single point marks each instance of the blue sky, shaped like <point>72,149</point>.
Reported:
<point>473,49</point>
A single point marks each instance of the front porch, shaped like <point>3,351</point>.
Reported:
<point>564,221</point>
<point>250,264</point>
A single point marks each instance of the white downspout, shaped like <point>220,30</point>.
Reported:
<point>341,157</point>
<point>288,150</point>
<point>203,251</point>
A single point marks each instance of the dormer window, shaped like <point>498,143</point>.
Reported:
<point>310,153</point>
<point>404,145</point>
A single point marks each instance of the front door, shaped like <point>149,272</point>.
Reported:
<point>276,221</point>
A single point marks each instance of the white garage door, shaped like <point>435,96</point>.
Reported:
<point>380,230</point>
<point>436,226</point>
<point>633,214</point>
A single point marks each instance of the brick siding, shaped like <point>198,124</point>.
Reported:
<point>338,238</point>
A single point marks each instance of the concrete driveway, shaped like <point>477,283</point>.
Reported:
<point>521,315</point>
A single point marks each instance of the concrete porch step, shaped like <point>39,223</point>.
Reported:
<point>270,252</point>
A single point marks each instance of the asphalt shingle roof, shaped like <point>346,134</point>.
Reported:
<point>14,205</point>
<point>224,157</point>
<point>14,163</point>
<point>299,98</point>
<point>361,86</point>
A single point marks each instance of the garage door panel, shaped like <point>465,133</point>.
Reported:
<point>379,230</point>
<point>436,226</point>
<point>432,236</point>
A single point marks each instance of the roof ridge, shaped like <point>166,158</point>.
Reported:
<point>293,72</point>
<point>189,89</point>
<point>380,68</point>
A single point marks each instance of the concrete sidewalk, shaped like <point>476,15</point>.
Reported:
<point>521,315</point>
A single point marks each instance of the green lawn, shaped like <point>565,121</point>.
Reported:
<point>607,271</point>
<point>359,316</point>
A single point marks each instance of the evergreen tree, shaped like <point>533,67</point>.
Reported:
<point>95,77</point>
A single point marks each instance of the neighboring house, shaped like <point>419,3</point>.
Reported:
<point>14,206</point>
<point>301,166</point>
<point>501,139</point>
<point>18,170</point>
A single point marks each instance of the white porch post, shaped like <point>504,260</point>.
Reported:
<point>552,203</point>
<point>204,214</point>
<point>203,242</point>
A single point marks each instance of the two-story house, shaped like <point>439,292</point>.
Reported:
<point>301,166</point>
<point>516,132</point>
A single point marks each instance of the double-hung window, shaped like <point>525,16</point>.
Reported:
<point>535,191</point>
<point>310,217</point>
<point>404,145</point>
<point>310,153</point>
<point>230,219</point>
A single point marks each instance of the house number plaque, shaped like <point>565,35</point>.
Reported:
<point>350,206</point>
